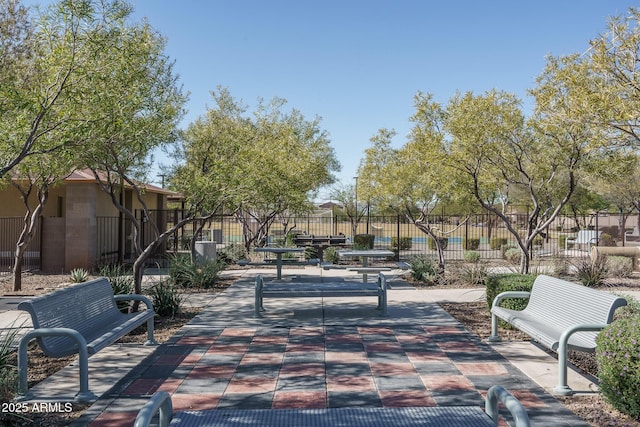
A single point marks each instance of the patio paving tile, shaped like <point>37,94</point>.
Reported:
<point>229,359</point>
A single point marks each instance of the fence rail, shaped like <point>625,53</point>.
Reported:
<point>482,232</point>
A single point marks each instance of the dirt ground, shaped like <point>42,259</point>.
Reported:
<point>474,316</point>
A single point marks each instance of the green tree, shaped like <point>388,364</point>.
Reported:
<point>503,159</point>
<point>133,107</point>
<point>33,178</point>
<point>263,164</point>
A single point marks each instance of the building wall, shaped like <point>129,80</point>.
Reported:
<point>80,225</point>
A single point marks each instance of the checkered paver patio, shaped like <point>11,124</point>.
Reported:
<point>318,355</point>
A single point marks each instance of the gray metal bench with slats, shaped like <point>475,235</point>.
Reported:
<point>561,316</point>
<point>320,290</point>
<point>81,319</point>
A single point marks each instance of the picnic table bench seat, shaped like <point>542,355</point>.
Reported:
<point>320,290</point>
<point>82,319</point>
<point>160,407</point>
<point>559,315</point>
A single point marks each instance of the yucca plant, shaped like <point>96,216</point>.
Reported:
<point>8,371</point>
<point>79,275</point>
<point>166,298</point>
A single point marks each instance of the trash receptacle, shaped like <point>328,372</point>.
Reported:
<point>205,251</point>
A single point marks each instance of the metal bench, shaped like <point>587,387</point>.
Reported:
<point>584,237</point>
<point>561,316</point>
<point>159,406</point>
<point>81,319</point>
<point>320,290</point>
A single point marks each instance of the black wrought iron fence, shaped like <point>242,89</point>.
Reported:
<point>10,230</point>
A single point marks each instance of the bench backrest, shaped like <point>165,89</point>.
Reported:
<point>86,307</point>
<point>565,303</point>
<point>587,236</point>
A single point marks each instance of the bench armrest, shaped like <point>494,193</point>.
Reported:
<point>509,294</point>
<point>498,394</point>
<point>135,297</point>
<point>84,395</point>
<point>160,403</point>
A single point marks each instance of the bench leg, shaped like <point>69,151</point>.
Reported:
<point>494,337</point>
<point>257,303</point>
<point>84,395</point>
<point>150,339</point>
<point>562,388</point>
<point>382,295</point>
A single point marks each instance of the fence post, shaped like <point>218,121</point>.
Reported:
<point>398,236</point>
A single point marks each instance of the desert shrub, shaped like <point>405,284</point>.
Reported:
<point>405,243</point>
<point>513,255</point>
<point>363,241</point>
<point>497,242</point>
<point>619,266</point>
<point>311,252</point>
<point>632,309</point>
<point>424,269</point>
<point>618,356</point>
<point>331,255</point>
<point>188,274</point>
<point>591,272</point>
<point>471,256</point>
<point>8,371</point>
<point>471,244</point>
<point>79,275</point>
<point>444,242</point>
<point>230,254</point>
<point>166,298</point>
<point>497,284</point>
<point>506,247</point>
<point>121,282</point>
<point>606,240</point>
<point>560,266</point>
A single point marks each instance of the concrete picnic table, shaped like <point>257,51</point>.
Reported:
<point>365,254</point>
<point>278,252</point>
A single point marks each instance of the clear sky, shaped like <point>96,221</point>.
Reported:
<point>357,64</point>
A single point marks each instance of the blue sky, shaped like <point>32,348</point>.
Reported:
<point>358,63</point>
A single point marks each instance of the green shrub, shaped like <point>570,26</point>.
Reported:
<point>424,269</point>
<point>607,240</point>
<point>166,298</point>
<point>506,247</point>
<point>331,255</point>
<point>230,254</point>
<point>8,371</point>
<point>472,272</point>
<point>497,284</point>
<point>619,266</point>
<point>404,244</point>
<point>471,256</point>
<point>538,241</point>
<point>444,242</point>
<point>497,242</point>
<point>513,255</point>
<point>618,356</point>
<point>187,274</point>
<point>591,272</point>
<point>79,275</point>
<point>121,281</point>
<point>471,244</point>
<point>363,241</point>
<point>311,252</point>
